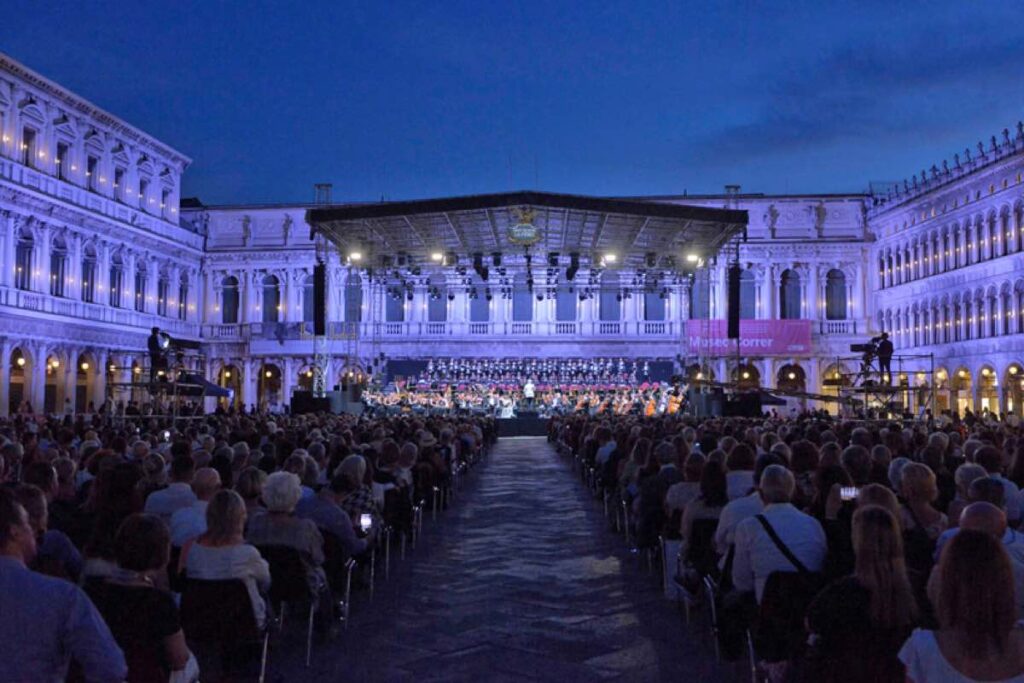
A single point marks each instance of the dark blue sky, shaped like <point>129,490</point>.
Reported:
<point>428,99</point>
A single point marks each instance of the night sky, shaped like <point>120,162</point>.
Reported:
<point>422,99</point>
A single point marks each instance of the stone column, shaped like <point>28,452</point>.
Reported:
<point>36,390</point>
<point>99,387</point>
<point>6,346</point>
<point>287,380</point>
<point>41,267</point>
<point>813,311</point>
<point>248,384</point>
<point>10,249</point>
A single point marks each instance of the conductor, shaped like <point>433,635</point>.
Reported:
<point>885,351</point>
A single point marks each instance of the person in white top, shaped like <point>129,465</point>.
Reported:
<point>221,552</point>
<point>178,494</point>
<point>187,523</point>
<point>757,555</point>
<point>529,391</point>
<point>978,638</point>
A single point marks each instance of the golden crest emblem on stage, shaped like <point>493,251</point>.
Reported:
<point>522,230</point>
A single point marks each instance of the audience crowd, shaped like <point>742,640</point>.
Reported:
<point>107,524</point>
<point>829,550</point>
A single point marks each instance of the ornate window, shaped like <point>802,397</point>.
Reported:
<point>789,295</point>
<point>835,295</point>
<point>271,298</point>
<point>229,300</point>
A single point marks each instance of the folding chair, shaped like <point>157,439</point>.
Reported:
<point>289,583</point>
<point>338,566</point>
<point>219,615</point>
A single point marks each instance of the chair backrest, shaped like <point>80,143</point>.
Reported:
<point>700,547</point>
<point>288,581</point>
<point>218,611</point>
<point>780,623</point>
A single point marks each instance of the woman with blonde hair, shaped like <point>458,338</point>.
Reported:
<point>858,623</point>
<point>221,552</point>
<point>977,638</point>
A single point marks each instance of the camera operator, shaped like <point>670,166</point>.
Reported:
<point>885,350</point>
<point>156,354</point>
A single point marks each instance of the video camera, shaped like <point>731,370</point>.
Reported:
<point>870,347</point>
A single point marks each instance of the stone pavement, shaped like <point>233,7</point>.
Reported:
<point>520,580</point>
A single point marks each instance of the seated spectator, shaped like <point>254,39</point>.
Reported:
<point>324,510</point>
<point>922,524</point>
<point>280,527</point>
<point>757,555</point>
<point>189,522</point>
<point>178,494</point>
<point>142,617</point>
<point>989,519</point>
<point>976,639</point>
<point>250,487</point>
<point>804,463</point>
<point>858,623</point>
<point>651,505</point>
<point>56,555</point>
<point>740,466</point>
<point>991,459</point>
<point>963,477</point>
<point>113,497</point>
<point>686,491</point>
<point>46,622</point>
<point>708,505</point>
<point>220,553</point>
<point>154,475</point>
<point>357,498</point>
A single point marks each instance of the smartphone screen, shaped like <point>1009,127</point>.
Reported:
<point>365,521</point>
<point>848,492</point>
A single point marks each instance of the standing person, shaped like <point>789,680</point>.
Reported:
<point>156,353</point>
<point>46,622</point>
<point>885,351</point>
<point>529,391</point>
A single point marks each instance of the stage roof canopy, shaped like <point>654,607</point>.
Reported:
<point>506,222</point>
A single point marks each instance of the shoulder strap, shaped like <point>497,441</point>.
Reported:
<point>782,546</point>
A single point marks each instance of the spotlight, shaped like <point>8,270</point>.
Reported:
<point>692,258</point>
<point>355,256</point>
<point>611,257</point>
<point>437,257</point>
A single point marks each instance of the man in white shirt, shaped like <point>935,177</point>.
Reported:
<point>529,390</point>
<point>189,522</point>
<point>178,493</point>
<point>757,555</point>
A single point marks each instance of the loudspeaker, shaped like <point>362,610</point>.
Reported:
<point>303,402</point>
<point>320,299</point>
<point>733,324</point>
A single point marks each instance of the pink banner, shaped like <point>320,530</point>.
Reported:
<point>757,337</point>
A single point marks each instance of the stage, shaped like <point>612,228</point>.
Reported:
<point>526,424</point>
